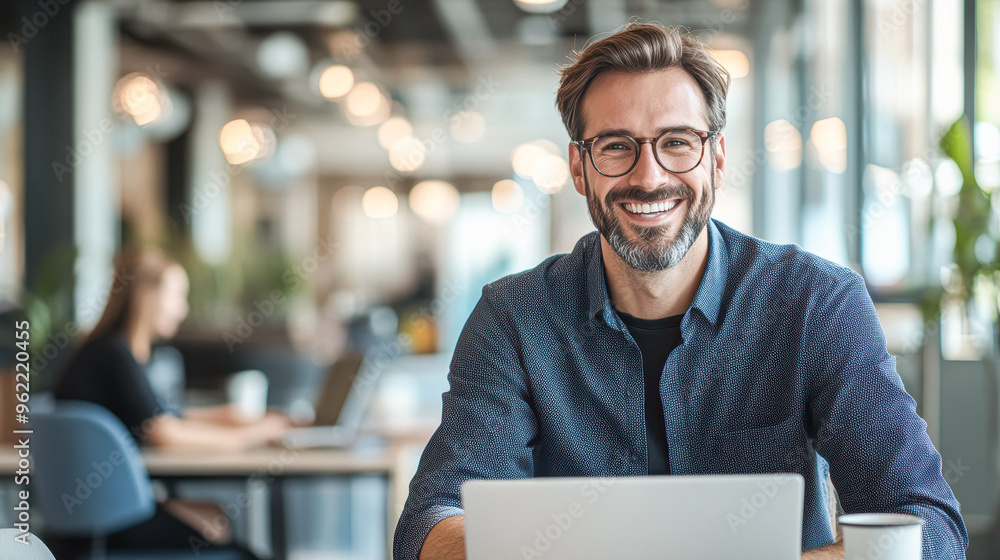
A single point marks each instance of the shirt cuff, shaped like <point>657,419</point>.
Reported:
<point>411,532</point>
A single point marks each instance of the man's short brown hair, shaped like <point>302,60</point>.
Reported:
<point>638,48</point>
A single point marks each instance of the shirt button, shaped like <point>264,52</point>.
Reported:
<point>635,458</point>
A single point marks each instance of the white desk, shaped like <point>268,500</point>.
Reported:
<point>274,461</point>
<point>272,466</point>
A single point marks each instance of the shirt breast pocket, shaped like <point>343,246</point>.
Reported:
<point>780,447</point>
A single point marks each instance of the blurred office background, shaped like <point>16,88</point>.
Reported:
<point>351,172</point>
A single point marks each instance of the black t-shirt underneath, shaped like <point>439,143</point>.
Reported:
<point>656,338</point>
<point>105,372</point>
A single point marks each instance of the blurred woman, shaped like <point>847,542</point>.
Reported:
<point>147,302</point>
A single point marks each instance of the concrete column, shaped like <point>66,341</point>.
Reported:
<point>97,199</point>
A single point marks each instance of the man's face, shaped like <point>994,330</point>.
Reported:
<point>643,105</point>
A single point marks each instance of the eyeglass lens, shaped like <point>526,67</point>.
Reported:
<point>678,151</point>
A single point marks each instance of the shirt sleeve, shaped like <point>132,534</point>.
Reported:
<point>866,425</point>
<point>486,432</point>
<point>131,394</point>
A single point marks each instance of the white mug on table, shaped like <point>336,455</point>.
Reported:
<point>882,536</point>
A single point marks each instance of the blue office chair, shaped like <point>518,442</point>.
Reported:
<point>23,546</point>
<point>91,480</point>
<point>90,476</point>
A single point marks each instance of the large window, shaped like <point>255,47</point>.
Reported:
<point>11,238</point>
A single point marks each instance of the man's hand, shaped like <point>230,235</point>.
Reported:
<point>446,540</point>
<point>832,552</point>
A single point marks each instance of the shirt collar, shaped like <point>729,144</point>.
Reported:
<point>597,286</point>
<point>708,298</point>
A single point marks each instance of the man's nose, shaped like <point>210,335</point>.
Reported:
<point>647,171</point>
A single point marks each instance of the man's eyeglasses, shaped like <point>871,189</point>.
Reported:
<point>677,151</point>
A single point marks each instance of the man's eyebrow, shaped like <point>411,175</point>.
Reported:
<point>659,131</point>
<point>614,132</point>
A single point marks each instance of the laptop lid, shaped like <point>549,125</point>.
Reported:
<point>635,518</point>
<point>344,399</point>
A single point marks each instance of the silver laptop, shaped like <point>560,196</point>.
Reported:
<point>348,390</point>
<point>707,517</point>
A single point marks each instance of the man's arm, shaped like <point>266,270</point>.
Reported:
<point>487,427</point>
<point>446,541</point>
<point>866,426</point>
<point>832,552</point>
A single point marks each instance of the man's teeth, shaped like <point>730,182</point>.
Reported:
<point>654,208</point>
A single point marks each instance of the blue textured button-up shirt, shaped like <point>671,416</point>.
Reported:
<point>783,367</point>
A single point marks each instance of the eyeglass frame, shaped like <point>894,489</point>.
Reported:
<point>704,135</point>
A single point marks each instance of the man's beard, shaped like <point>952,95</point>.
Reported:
<point>650,252</point>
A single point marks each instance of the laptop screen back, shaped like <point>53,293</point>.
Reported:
<point>635,518</point>
<point>337,388</point>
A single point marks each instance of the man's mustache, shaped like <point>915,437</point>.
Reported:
<point>636,194</point>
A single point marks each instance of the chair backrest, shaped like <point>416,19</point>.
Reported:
<point>23,546</point>
<point>90,477</point>
<point>165,371</point>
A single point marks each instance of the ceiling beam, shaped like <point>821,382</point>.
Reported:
<point>162,13</point>
<point>468,29</point>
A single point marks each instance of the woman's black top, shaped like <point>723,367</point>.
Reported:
<point>105,372</point>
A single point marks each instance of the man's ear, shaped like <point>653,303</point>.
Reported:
<point>720,160</point>
<point>576,169</point>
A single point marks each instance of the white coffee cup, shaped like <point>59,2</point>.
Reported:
<point>881,536</point>
<point>247,391</point>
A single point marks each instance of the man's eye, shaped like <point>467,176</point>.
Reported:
<point>674,143</point>
<point>616,147</point>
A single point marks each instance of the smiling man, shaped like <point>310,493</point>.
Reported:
<point>667,342</point>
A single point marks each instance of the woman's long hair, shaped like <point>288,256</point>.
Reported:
<point>133,268</point>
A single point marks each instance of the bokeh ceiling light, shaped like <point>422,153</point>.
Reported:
<point>392,130</point>
<point>380,115</point>
<point>266,138</point>
<point>243,142</point>
<point>783,143</point>
<point>363,100</point>
<point>140,97</point>
<point>406,155</point>
<point>468,127</point>
<point>736,62</point>
<point>379,203</point>
<point>434,201</point>
<point>237,142</point>
<point>550,173</point>
<point>174,119</point>
<point>525,156</point>
<point>282,55</point>
<point>507,196</point>
<point>829,138</point>
<point>540,6</point>
<point>335,81</point>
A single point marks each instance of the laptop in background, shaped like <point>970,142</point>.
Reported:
<point>341,407</point>
<point>705,517</point>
